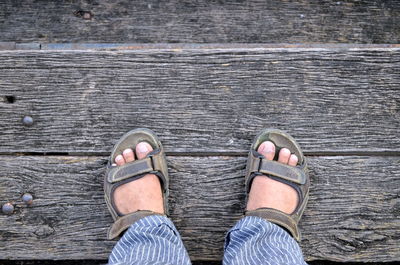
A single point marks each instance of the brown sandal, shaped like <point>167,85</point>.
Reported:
<point>296,177</point>
<point>154,163</point>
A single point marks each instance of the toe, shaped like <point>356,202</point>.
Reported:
<point>267,149</point>
<point>142,149</point>
<point>119,160</point>
<point>293,160</point>
<point>284,155</point>
<point>128,155</point>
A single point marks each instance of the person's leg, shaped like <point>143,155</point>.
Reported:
<point>153,239</point>
<point>254,240</point>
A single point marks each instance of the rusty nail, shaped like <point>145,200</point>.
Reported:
<point>27,120</point>
<point>7,208</point>
<point>27,198</point>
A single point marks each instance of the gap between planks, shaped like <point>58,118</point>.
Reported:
<point>12,46</point>
<point>211,153</point>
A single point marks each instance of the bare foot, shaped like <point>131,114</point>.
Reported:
<point>269,193</point>
<point>142,194</point>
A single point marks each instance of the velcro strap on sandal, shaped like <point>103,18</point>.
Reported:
<point>127,220</point>
<point>151,163</point>
<point>283,171</point>
<point>261,165</point>
<point>277,217</point>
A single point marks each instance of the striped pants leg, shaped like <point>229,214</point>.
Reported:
<point>151,240</point>
<point>254,240</point>
<point>155,240</point>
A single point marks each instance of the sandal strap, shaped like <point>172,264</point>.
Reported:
<point>153,162</point>
<point>290,173</point>
<point>258,165</point>
<point>128,170</point>
<point>278,217</point>
<point>125,221</point>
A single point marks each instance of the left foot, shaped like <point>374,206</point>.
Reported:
<point>268,193</point>
<point>141,194</point>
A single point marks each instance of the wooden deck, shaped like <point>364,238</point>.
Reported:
<point>206,77</point>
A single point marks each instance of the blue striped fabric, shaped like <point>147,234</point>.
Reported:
<point>253,240</point>
<point>151,240</point>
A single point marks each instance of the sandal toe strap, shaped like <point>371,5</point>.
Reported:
<point>153,162</point>
<point>290,173</point>
<point>257,164</point>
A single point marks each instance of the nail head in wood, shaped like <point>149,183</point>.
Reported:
<point>27,121</point>
<point>7,208</point>
<point>27,198</point>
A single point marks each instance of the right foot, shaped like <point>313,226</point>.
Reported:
<point>268,193</point>
<point>141,194</point>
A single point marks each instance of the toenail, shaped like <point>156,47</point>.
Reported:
<point>268,147</point>
<point>119,158</point>
<point>293,160</point>
<point>286,151</point>
<point>127,151</point>
<point>142,148</point>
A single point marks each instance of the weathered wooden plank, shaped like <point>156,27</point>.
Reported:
<point>256,21</point>
<point>353,214</point>
<point>201,100</point>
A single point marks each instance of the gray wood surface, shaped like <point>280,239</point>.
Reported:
<point>335,100</point>
<point>353,213</point>
<point>206,101</point>
<point>257,21</point>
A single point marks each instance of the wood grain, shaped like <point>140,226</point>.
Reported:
<point>201,100</point>
<point>353,213</point>
<point>256,21</point>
